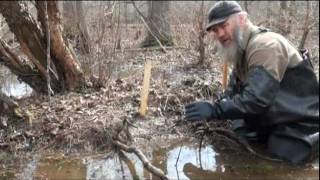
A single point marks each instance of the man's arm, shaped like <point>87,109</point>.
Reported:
<point>258,93</point>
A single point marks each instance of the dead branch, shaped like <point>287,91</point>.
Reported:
<point>146,163</point>
<point>130,164</point>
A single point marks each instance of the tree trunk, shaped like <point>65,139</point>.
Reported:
<point>65,71</point>
<point>246,6</point>
<point>70,27</point>
<point>291,13</point>
<point>82,25</point>
<point>75,24</point>
<point>306,27</point>
<point>158,21</point>
<point>282,17</point>
<point>269,14</point>
<point>201,34</point>
<point>23,71</point>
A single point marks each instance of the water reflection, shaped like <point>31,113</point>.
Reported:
<point>189,155</point>
<point>11,86</point>
<point>192,164</point>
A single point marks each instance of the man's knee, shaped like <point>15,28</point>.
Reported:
<point>291,145</point>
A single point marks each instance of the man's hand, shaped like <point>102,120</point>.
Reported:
<point>198,111</point>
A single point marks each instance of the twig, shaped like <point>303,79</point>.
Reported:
<point>129,163</point>
<point>178,155</point>
<point>156,171</point>
<point>176,165</point>
<point>200,145</point>
<point>122,169</point>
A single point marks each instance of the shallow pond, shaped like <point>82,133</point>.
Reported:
<point>12,87</point>
<point>192,164</point>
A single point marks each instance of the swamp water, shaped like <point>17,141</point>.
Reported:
<point>192,164</point>
<point>10,86</point>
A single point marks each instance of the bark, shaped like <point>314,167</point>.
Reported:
<point>65,71</point>
<point>82,25</point>
<point>28,34</point>
<point>246,6</point>
<point>69,20</point>
<point>61,52</point>
<point>306,28</point>
<point>269,14</point>
<point>291,13</point>
<point>158,21</point>
<point>22,70</point>
<point>282,17</point>
<point>75,24</point>
<point>146,163</point>
<point>201,34</point>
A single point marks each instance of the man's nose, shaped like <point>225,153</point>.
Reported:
<point>220,32</point>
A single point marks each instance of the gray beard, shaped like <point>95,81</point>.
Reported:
<point>232,53</point>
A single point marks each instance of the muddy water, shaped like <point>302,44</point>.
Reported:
<point>12,87</point>
<point>191,164</point>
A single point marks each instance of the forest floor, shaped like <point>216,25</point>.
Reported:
<point>87,122</point>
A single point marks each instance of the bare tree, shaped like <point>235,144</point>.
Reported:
<point>306,27</point>
<point>82,25</point>
<point>246,6</point>
<point>201,33</point>
<point>65,70</point>
<point>282,17</point>
<point>158,22</point>
<point>75,24</point>
<point>269,14</point>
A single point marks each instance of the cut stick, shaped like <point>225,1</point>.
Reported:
<point>145,88</point>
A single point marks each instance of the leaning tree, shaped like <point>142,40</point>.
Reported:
<point>65,70</point>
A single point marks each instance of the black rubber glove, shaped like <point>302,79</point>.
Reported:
<point>198,111</point>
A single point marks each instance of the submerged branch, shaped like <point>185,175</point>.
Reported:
<point>146,163</point>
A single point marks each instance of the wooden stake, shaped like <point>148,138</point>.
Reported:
<point>145,88</point>
<point>225,76</point>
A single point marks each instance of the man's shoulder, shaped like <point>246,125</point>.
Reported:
<point>267,37</point>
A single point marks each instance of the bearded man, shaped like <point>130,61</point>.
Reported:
<point>273,92</point>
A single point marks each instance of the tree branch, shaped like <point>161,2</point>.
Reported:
<point>156,171</point>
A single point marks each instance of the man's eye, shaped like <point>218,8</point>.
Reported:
<point>225,25</point>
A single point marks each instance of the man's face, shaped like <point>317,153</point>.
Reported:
<point>228,36</point>
<point>224,33</point>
